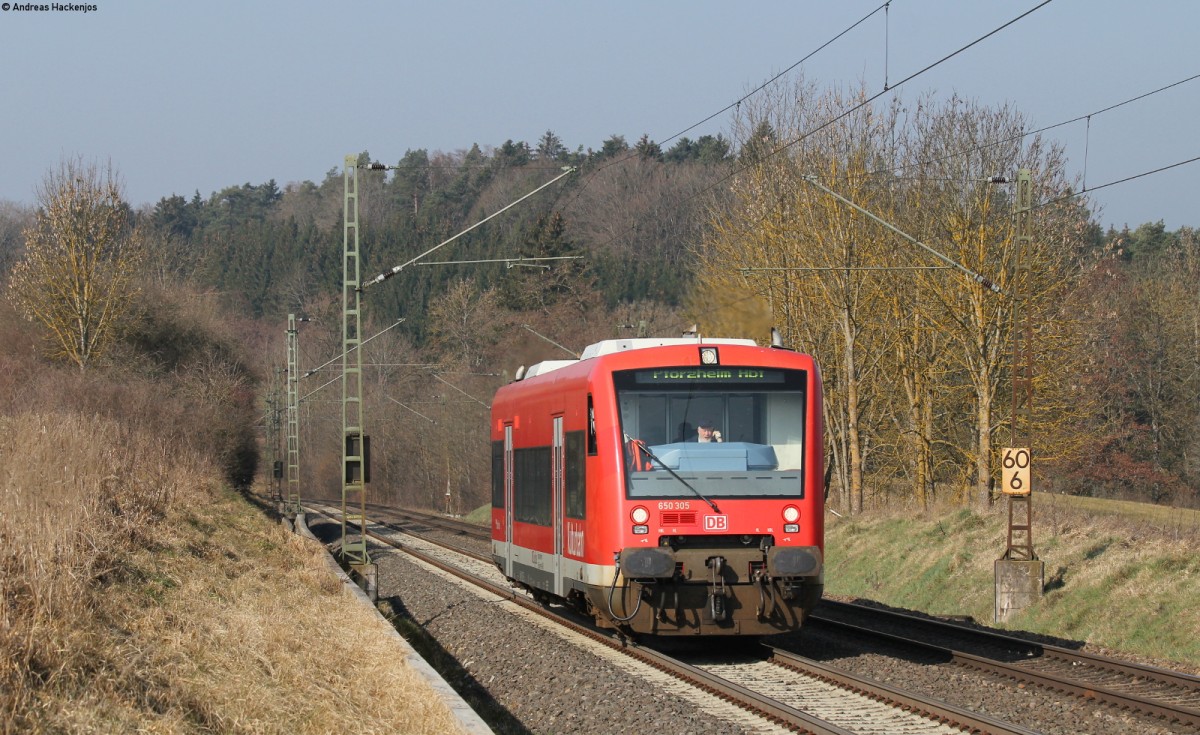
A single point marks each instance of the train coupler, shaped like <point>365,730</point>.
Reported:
<point>766,594</point>
<point>717,592</point>
<point>787,589</point>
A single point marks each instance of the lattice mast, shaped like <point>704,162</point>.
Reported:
<point>354,446</point>
<point>1020,509</point>
<point>292,502</point>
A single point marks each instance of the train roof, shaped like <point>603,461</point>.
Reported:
<point>612,346</point>
<point>609,346</point>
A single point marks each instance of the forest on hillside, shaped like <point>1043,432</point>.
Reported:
<point>733,235</point>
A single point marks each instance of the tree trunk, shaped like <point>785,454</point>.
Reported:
<point>852,416</point>
<point>983,419</point>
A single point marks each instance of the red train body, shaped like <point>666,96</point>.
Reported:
<point>603,497</point>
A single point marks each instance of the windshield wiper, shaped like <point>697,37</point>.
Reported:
<point>641,447</point>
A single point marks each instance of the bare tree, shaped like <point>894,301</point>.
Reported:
<point>957,147</point>
<point>465,323</point>
<point>907,352</point>
<point>642,209</point>
<point>78,274</point>
<point>14,219</point>
<point>803,252</point>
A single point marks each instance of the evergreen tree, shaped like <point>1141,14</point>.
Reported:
<point>512,154</point>
<point>550,147</point>
<point>762,142</point>
<point>648,149</point>
<point>545,285</point>
<point>411,184</point>
<point>683,151</point>
<point>713,149</point>
<point>1148,241</point>
<point>612,148</point>
<point>174,216</point>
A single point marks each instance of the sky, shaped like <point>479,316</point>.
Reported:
<point>185,97</point>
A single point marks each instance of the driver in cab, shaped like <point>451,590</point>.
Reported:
<point>707,432</point>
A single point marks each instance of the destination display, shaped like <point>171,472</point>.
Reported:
<point>659,376</point>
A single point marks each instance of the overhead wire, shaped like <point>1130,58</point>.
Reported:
<point>849,111</point>
<point>888,88</point>
<point>1036,131</point>
<point>854,108</point>
<point>588,175</point>
<point>1087,190</point>
<point>777,77</point>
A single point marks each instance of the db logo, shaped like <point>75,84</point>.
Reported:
<point>716,523</point>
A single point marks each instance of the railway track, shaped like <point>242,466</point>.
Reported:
<point>1168,695</point>
<point>1171,696</point>
<point>798,694</point>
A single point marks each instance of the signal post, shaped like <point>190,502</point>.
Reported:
<point>1019,574</point>
<point>356,445</point>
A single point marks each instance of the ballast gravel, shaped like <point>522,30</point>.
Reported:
<point>541,683</point>
<point>1032,707</point>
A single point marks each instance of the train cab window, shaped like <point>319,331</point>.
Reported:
<point>754,446</point>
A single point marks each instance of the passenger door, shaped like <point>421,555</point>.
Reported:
<point>558,499</point>
<point>509,501</point>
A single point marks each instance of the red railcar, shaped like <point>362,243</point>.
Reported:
<point>605,498</point>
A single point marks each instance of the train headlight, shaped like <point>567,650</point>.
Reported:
<point>791,514</point>
<point>708,356</point>
<point>639,515</point>
<point>640,530</point>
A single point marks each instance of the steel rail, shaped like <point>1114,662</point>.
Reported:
<point>751,701</point>
<point>1168,711</point>
<point>451,525</point>
<point>771,709</point>
<point>1172,712</point>
<point>934,709</point>
<point>1158,674</point>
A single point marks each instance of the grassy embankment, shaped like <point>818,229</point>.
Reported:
<point>1119,576</point>
<point>138,593</point>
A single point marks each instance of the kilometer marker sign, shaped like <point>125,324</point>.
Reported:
<point>1014,474</point>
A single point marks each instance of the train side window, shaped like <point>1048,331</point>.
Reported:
<point>576,487</point>
<point>591,428</point>
<point>532,485</point>
<point>497,474</point>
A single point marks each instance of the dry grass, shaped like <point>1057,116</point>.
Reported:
<point>1161,519</point>
<point>135,596</point>
<point>1117,578</point>
<point>138,593</point>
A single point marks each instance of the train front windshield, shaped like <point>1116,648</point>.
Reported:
<point>726,431</point>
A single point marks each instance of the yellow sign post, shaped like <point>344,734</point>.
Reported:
<point>1014,473</point>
